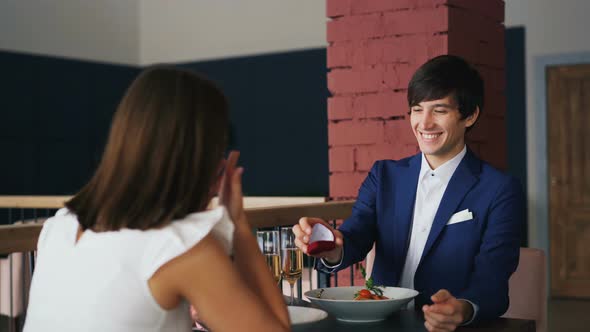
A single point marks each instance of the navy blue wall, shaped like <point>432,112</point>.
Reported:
<point>56,114</point>
<point>516,102</point>
<point>516,109</point>
<point>278,108</point>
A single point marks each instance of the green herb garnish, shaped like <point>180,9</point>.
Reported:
<point>370,284</point>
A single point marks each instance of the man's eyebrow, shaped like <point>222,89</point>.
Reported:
<point>443,105</point>
<point>436,105</point>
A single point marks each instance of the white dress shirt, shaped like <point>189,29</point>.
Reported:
<point>429,192</point>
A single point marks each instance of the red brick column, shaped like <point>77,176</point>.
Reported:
<point>374,48</point>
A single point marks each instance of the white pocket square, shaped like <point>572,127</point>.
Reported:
<point>460,216</point>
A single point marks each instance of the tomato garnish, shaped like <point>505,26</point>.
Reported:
<point>365,293</point>
<point>371,292</point>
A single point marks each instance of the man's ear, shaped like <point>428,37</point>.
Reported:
<point>470,120</point>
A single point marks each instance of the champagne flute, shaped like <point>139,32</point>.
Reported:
<point>268,241</point>
<point>292,259</point>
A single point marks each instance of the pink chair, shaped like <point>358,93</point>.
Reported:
<point>528,290</point>
<point>527,287</point>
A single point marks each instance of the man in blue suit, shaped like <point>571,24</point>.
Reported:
<point>443,222</point>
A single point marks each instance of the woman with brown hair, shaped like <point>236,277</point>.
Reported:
<point>136,245</point>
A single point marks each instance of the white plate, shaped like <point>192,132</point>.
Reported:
<point>339,301</point>
<point>302,315</point>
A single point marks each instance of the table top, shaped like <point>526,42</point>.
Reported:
<point>410,321</point>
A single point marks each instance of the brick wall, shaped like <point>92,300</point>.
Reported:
<point>374,48</point>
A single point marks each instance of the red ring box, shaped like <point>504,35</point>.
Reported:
<point>322,239</point>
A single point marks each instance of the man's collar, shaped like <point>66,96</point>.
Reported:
<point>444,171</point>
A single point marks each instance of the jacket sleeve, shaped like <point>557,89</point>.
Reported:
<point>359,230</point>
<point>498,253</point>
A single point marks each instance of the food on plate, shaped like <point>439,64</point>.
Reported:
<point>365,294</point>
<point>371,291</point>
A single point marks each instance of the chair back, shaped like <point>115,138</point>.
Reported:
<point>16,270</point>
<point>527,288</point>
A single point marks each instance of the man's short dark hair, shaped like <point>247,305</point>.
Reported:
<point>447,75</point>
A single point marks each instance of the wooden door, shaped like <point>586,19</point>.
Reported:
<point>568,92</point>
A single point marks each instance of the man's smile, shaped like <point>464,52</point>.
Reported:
<point>428,137</point>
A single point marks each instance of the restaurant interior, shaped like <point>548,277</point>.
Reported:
<point>317,93</point>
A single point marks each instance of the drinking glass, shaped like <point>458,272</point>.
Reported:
<point>291,259</point>
<point>268,241</point>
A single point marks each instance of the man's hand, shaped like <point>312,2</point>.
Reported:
<point>302,232</point>
<point>446,313</point>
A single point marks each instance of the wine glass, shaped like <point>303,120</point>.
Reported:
<point>291,258</point>
<point>268,241</point>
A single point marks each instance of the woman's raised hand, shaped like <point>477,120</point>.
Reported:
<point>230,190</point>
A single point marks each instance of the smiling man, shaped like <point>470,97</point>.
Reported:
<point>443,222</point>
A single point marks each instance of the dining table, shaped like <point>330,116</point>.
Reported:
<point>406,321</point>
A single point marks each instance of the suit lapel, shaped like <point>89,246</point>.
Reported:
<point>465,176</point>
<point>405,197</point>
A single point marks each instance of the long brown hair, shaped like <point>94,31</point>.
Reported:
<point>166,141</point>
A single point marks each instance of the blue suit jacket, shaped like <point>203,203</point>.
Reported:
<point>472,259</point>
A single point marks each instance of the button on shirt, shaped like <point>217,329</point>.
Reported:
<point>429,192</point>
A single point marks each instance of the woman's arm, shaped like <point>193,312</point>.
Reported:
<point>248,259</point>
<point>253,269</point>
<point>221,293</point>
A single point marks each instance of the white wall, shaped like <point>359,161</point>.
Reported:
<point>556,32</point>
<point>188,30</point>
<point>102,30</point>
<point>140,32</point>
